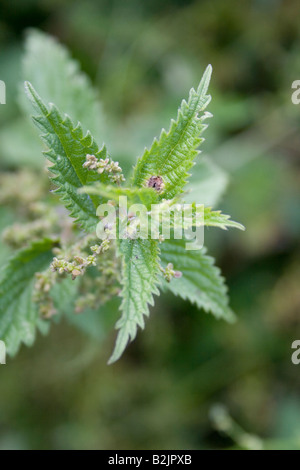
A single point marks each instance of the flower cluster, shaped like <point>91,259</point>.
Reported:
<point>44,222</point>
<point>99,290</point>
<point>169,273</point>
<point>18,235</point>
<point>111,168</point>
<point>74,261</point>
<point>44,282</point>
<point>77,267</point>
<point>89,300</point>
<point>98,249</point>
<point>20,196</point>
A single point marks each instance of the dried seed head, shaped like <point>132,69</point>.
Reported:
<point>156,182</point>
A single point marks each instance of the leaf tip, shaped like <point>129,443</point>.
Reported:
<point>204,83</point>
<point>28,88</point>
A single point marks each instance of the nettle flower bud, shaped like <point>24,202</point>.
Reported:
<point>177,274</point>
<point>69,267</point>
<point>88,300</point>
<point>91,260</point>
<point>55,265</point>
<point>98,249</point>
<point>102,165</point>
<point>76,273</point>
<point>111,168</point>
<point>169,273</point>
<point>105,245</point>
<point>47,309</point>
<point>117,178</point>
<point>43,282</point>
<point>91,162</point>
<point>62,266</point>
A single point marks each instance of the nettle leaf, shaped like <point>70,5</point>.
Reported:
<point>18,314</point>
<point>159,177</point>
<point>68,147</point>
<point>173,154</point>
<point>205,217</point>
<point>49,67</point>
<point>139,278</point>
<point>213,219</point>
<point>201,282</point>
<point>217,219</point>
<point>145,196</point>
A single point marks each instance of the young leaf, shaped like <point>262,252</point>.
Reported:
<point>49,67</point>
<point>217,219</point>
<point>68,148</point>
<point>201,282</point>
<point>211,219</point>
<point>145,196</point>
<point>140,272</point>
<point>173,154</point>
<point>207,218</point>
<point>18,316</point>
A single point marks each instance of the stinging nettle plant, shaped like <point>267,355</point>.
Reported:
<point>56,257</point>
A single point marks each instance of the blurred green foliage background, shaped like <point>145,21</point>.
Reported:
<point>188,381</point>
